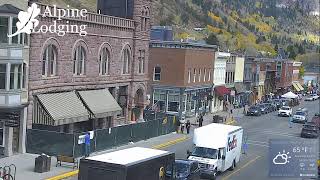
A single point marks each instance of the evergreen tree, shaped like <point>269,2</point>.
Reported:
<point>212,39</point>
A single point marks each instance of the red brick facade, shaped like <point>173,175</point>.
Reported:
<point>115,34</point>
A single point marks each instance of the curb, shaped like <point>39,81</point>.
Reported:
<point>160,146</point>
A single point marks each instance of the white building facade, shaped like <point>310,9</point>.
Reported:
<point>219,89</point>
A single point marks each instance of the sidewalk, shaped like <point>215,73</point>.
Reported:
<point>25,162</point>
<point>208,118</point>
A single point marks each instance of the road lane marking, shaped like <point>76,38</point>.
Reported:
<point>256,144</point>
<point>273,133</point>
<point>160,146</point>
<point>65,175</point>
<point>171,143</point>
<point>245,165</point>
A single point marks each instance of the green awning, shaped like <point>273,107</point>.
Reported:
<point>100,102</point>
<point>62,108</point>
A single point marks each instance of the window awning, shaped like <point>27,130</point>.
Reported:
<point>221,90</point>
<point>295,86</point>
<point>300,87</point>
<point>100,102</point>
<point>59,109</point>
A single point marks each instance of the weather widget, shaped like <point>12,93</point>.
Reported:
<point>293,158</point>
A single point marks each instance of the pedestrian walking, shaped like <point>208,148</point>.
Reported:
<point>182,128</point>
<point>290,121</point>
<point>200,120</point>
<point>87,144</point>
<point>178,125</point>
<point>188,125</point>
<point>245,146</point>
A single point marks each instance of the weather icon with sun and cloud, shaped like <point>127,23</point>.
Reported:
<point>282,158</point>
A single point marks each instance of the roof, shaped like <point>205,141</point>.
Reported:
<point>64,107</point>
<point>8,8</point>
<point>127,156</point>
<point>178,44</point>
<point>221,131</point>
<point>100,102</point>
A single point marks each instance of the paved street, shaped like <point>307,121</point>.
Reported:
<point>259,130</point>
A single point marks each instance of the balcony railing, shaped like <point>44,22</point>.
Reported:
<point>96,18</point>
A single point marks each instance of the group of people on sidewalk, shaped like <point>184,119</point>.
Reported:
<point>187,125</point>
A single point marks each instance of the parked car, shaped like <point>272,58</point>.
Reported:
<point>271,107</point>
<point>263,108</point>
<point>316,119</point>
<point>254,111</point>
<point>280,102</point>
<point>312,97</point>
<point>285,111</point>
<point>315,96</point>
<point>301,116</point>
<point>184,170</point>
<point>310,130</point>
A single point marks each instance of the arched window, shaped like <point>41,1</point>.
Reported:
<point>49,60</point>
<point>79,58</point>
<point>142,20</point>
<point>145,15</point>
<point>104,62</point>
<point>126,61</point>
<point>146,19</point>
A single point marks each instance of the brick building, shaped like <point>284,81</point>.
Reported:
<point>80,83</point>
<point>181,76</point>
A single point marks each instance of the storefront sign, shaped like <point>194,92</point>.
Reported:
<point>10,119</point>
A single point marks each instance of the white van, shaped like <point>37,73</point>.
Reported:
<point>217,148</point>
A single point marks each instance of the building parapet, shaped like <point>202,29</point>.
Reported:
<point>181,45</point>
<point>95,18</point>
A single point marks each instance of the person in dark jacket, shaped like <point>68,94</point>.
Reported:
<point>188,125</point>
<point>200,120</point>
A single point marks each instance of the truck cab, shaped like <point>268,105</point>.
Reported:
<point>219,153</point>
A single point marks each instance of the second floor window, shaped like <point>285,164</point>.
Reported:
<point>79,58</point>
<point>49,61</point>
<point>157,74</point>
<point>104,62</point>
<point>3,76</point>
<point>126,61</point>
<point>204,74</point>
<point>141,59</point>
<point>209,75</point>
<point>189,75</point>
<point>194,75</point>
<point>15,76</point>
<point>199,75</point>
<point>4,22</point>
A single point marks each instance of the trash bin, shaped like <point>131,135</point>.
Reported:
<point>42,163</point>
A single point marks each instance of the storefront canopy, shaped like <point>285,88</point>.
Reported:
<point>296,87</point>
<point>221,90</point>
<point>100,102</point>
<point>300,87</point>
<point>62,108</point>
<point>289,95</point>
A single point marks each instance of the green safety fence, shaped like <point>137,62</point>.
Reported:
<point>55,143</point>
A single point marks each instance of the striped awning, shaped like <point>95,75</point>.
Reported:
<point>100,103</point>
<point>59,108</point>
<point>295,87</point>
<point>300,87</point>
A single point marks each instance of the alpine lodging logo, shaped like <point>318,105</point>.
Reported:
<point>29,24</point>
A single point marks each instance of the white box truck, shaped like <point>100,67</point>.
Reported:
<point>217,148</point>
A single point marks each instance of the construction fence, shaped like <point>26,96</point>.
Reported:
<point>56,143</point>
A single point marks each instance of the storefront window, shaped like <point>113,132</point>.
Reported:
<point>173,102</point>
<point>159,99</point>
<point>3,76</point>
